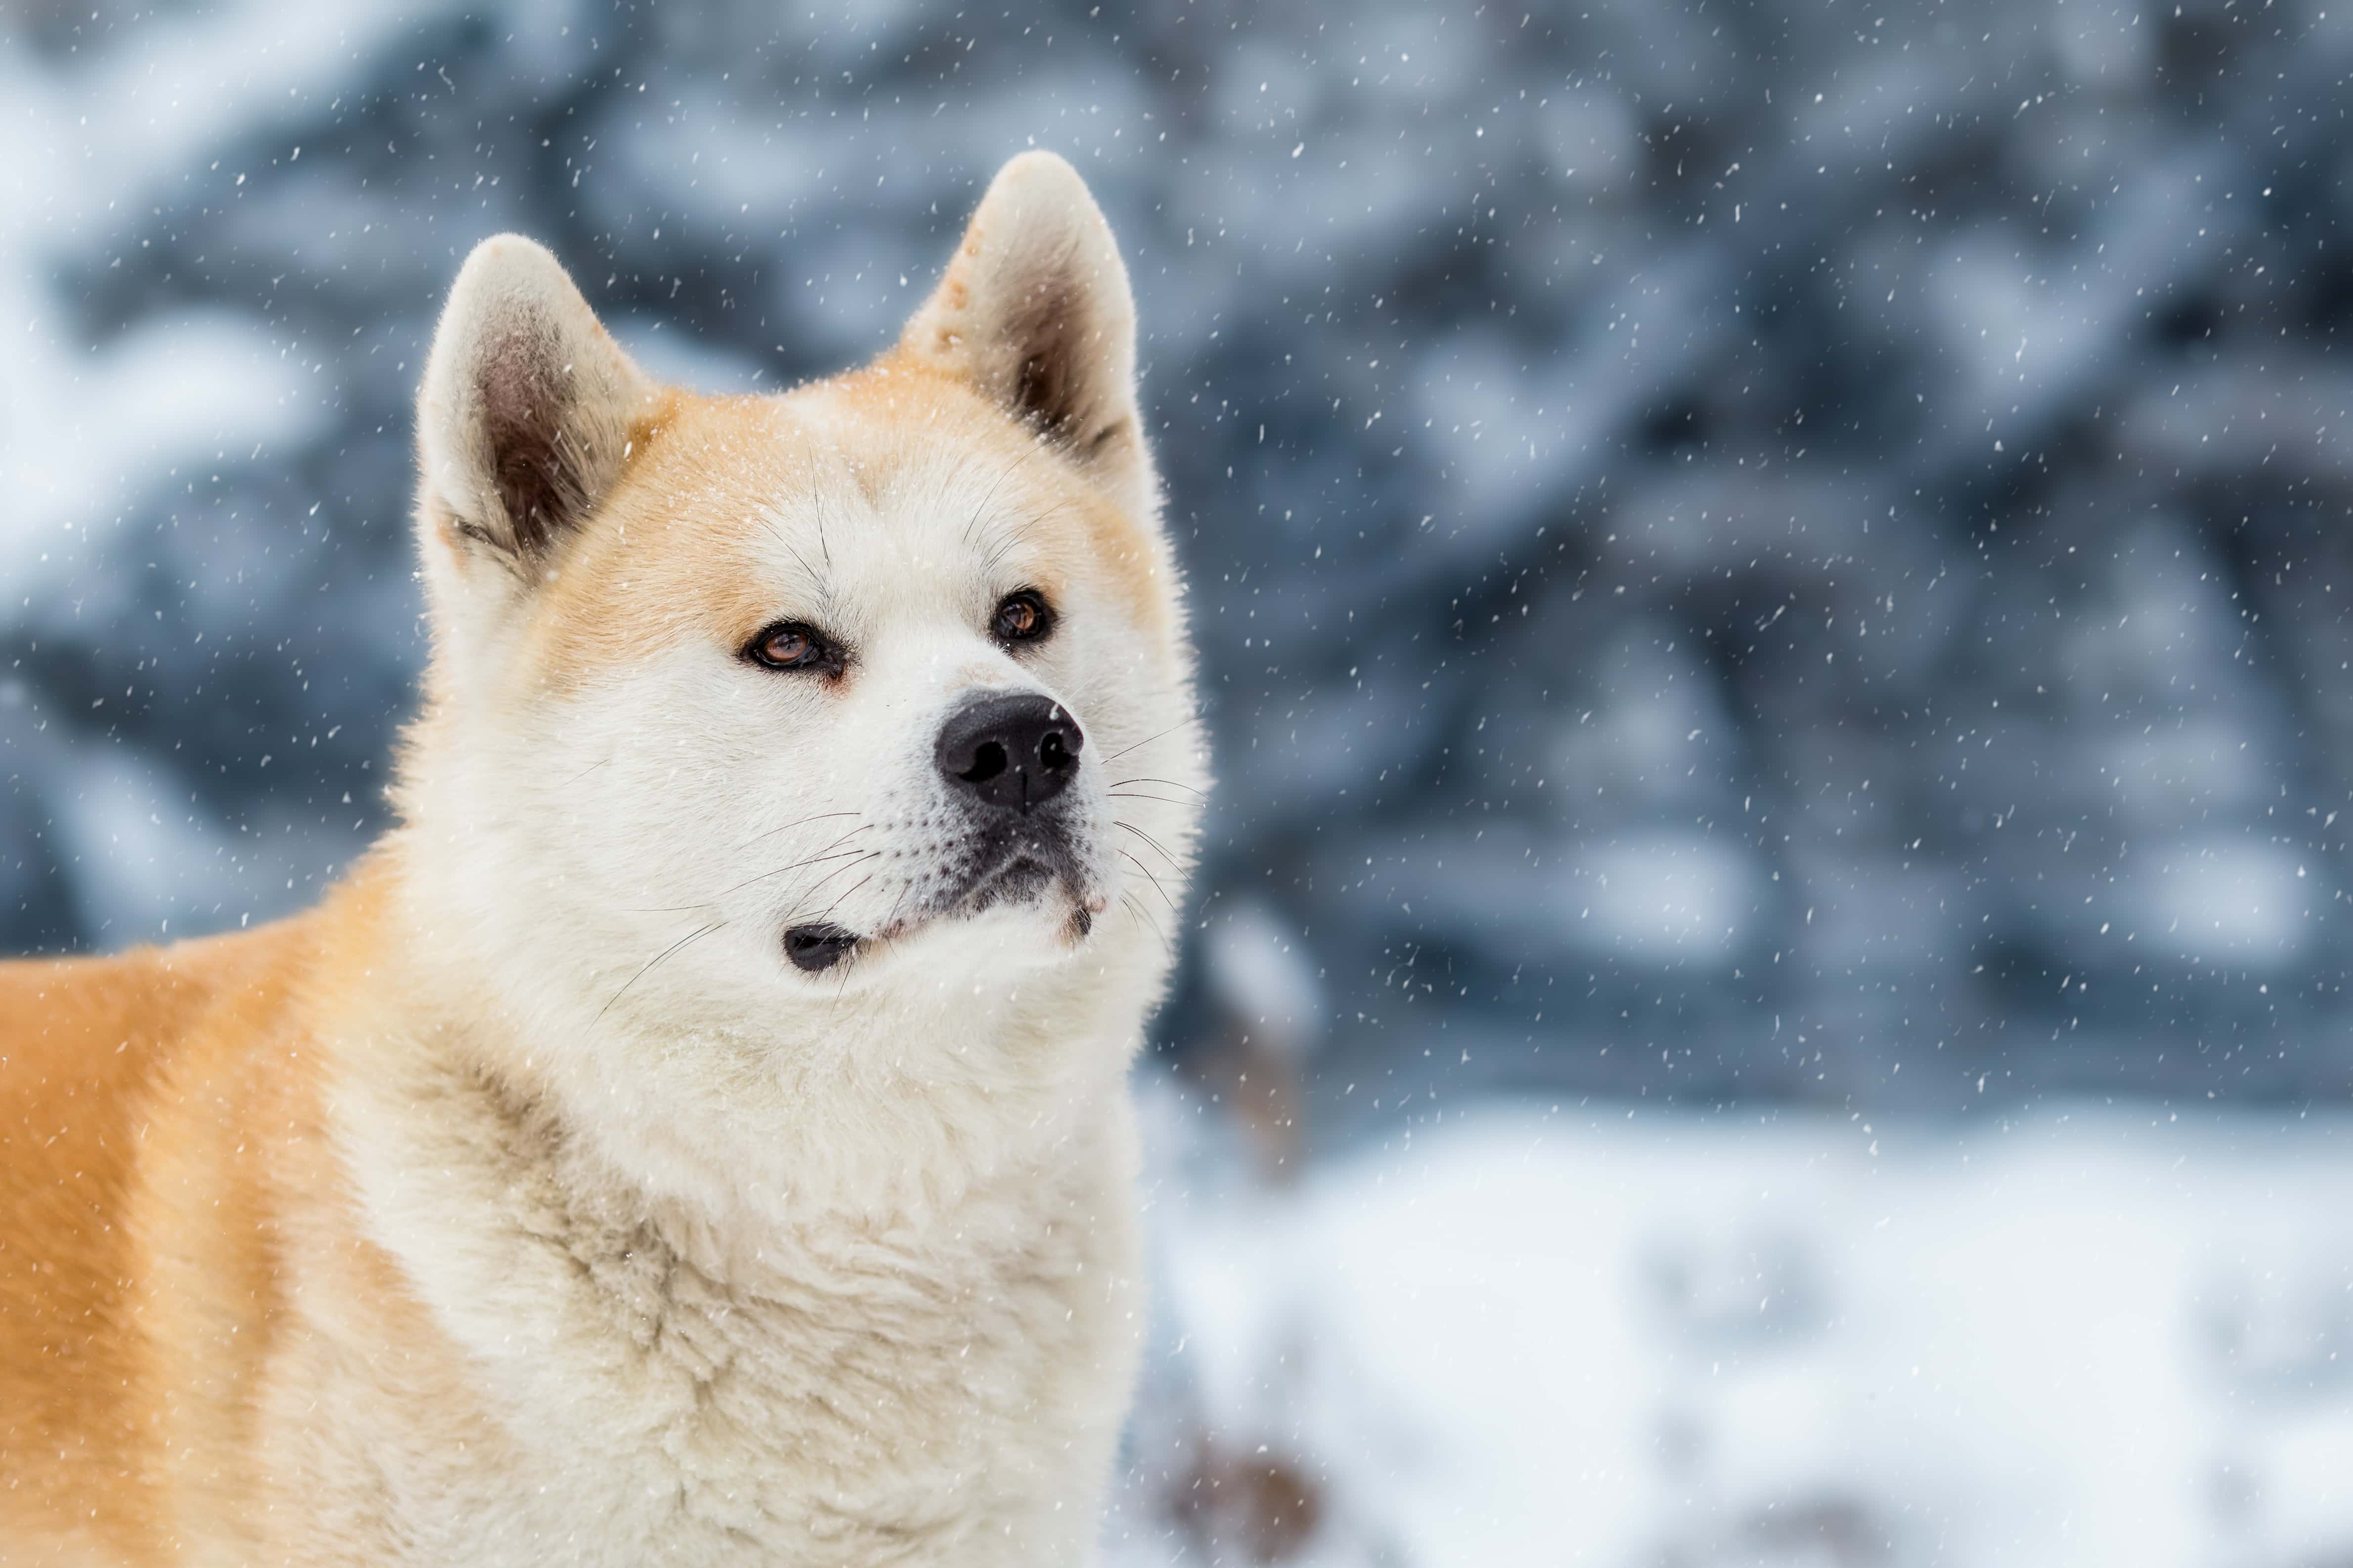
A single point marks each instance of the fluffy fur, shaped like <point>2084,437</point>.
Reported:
<point>522,1203</point>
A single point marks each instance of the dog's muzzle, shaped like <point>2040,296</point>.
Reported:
<point>1008,762</point>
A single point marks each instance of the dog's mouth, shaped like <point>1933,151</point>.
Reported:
<point>1023,871</point>
<point>1017,876</point>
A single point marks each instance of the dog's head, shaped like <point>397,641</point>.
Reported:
<point>759,713</point>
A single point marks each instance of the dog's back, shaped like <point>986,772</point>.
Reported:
<point>117,1074</point>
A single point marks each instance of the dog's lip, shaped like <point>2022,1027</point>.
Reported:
<point>1013,857</point>
<point>1091,901</point>
<point>816,946</point>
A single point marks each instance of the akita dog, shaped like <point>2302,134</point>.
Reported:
<point>697,1132</point>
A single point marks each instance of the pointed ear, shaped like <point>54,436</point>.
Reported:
<point>1035,312</point>
<point>527,410</point>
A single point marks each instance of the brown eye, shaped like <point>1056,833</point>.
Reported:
<point>792,645</point>
<point>1023,617</point>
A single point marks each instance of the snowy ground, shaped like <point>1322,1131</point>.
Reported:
<point>1532,1334</point>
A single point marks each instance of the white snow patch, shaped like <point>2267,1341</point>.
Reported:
<point>1613,1337</point>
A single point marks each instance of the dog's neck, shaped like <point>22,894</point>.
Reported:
<point>730,1139</point>
<point>731,1213</point>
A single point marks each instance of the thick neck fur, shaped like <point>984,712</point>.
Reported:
<point>826,1311</point>
<point>591,1167</point>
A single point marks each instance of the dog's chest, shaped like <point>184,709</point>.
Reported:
<point>938,1393</point>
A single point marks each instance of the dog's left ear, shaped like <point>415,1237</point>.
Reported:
<point>1035,311</point>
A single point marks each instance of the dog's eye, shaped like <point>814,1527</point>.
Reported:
<point>1024,616</point>
<point>792,645</point>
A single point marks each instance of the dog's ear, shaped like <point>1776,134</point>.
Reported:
<point>527,409</point>
<point>1035,311</point>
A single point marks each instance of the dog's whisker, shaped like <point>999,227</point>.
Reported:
<point>980,510</point>
<point>827,911</point>
<point>823,854</point>
<point>1174,864</point>
<point>1152,880</point>
<point>583,773</point>
<point>847,836</point>
<point>1140,916</point>
<point>1172,783</point>
<point>788,826</point>
<point>1139,794</point>
<point>1149,739</point>
<point>844,838</point>
<point>695,935</point>
<point>863,856</point>
<point>815,576</point>
<point>812,861</point>
<point>896,905</point>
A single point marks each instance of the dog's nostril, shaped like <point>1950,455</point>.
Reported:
<point>1012,753</point>
<point>988,760</point>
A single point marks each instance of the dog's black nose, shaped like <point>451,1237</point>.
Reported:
<point>1013,754</point>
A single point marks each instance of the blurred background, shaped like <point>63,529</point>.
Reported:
<point>1771,577</point>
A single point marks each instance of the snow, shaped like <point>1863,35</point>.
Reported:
<point>1531,1334</point>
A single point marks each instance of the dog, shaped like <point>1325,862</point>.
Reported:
<point>698,1132</point>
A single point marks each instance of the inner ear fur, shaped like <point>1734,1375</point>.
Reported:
<point>1034,311</point>
<point>525,418</point>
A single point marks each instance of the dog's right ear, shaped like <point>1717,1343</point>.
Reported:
<point>527,411</point>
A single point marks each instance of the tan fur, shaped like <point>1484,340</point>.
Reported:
<point>138,1291</point>
<point>520,1204</point>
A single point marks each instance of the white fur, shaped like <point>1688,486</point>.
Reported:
<point>750,1265</point>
